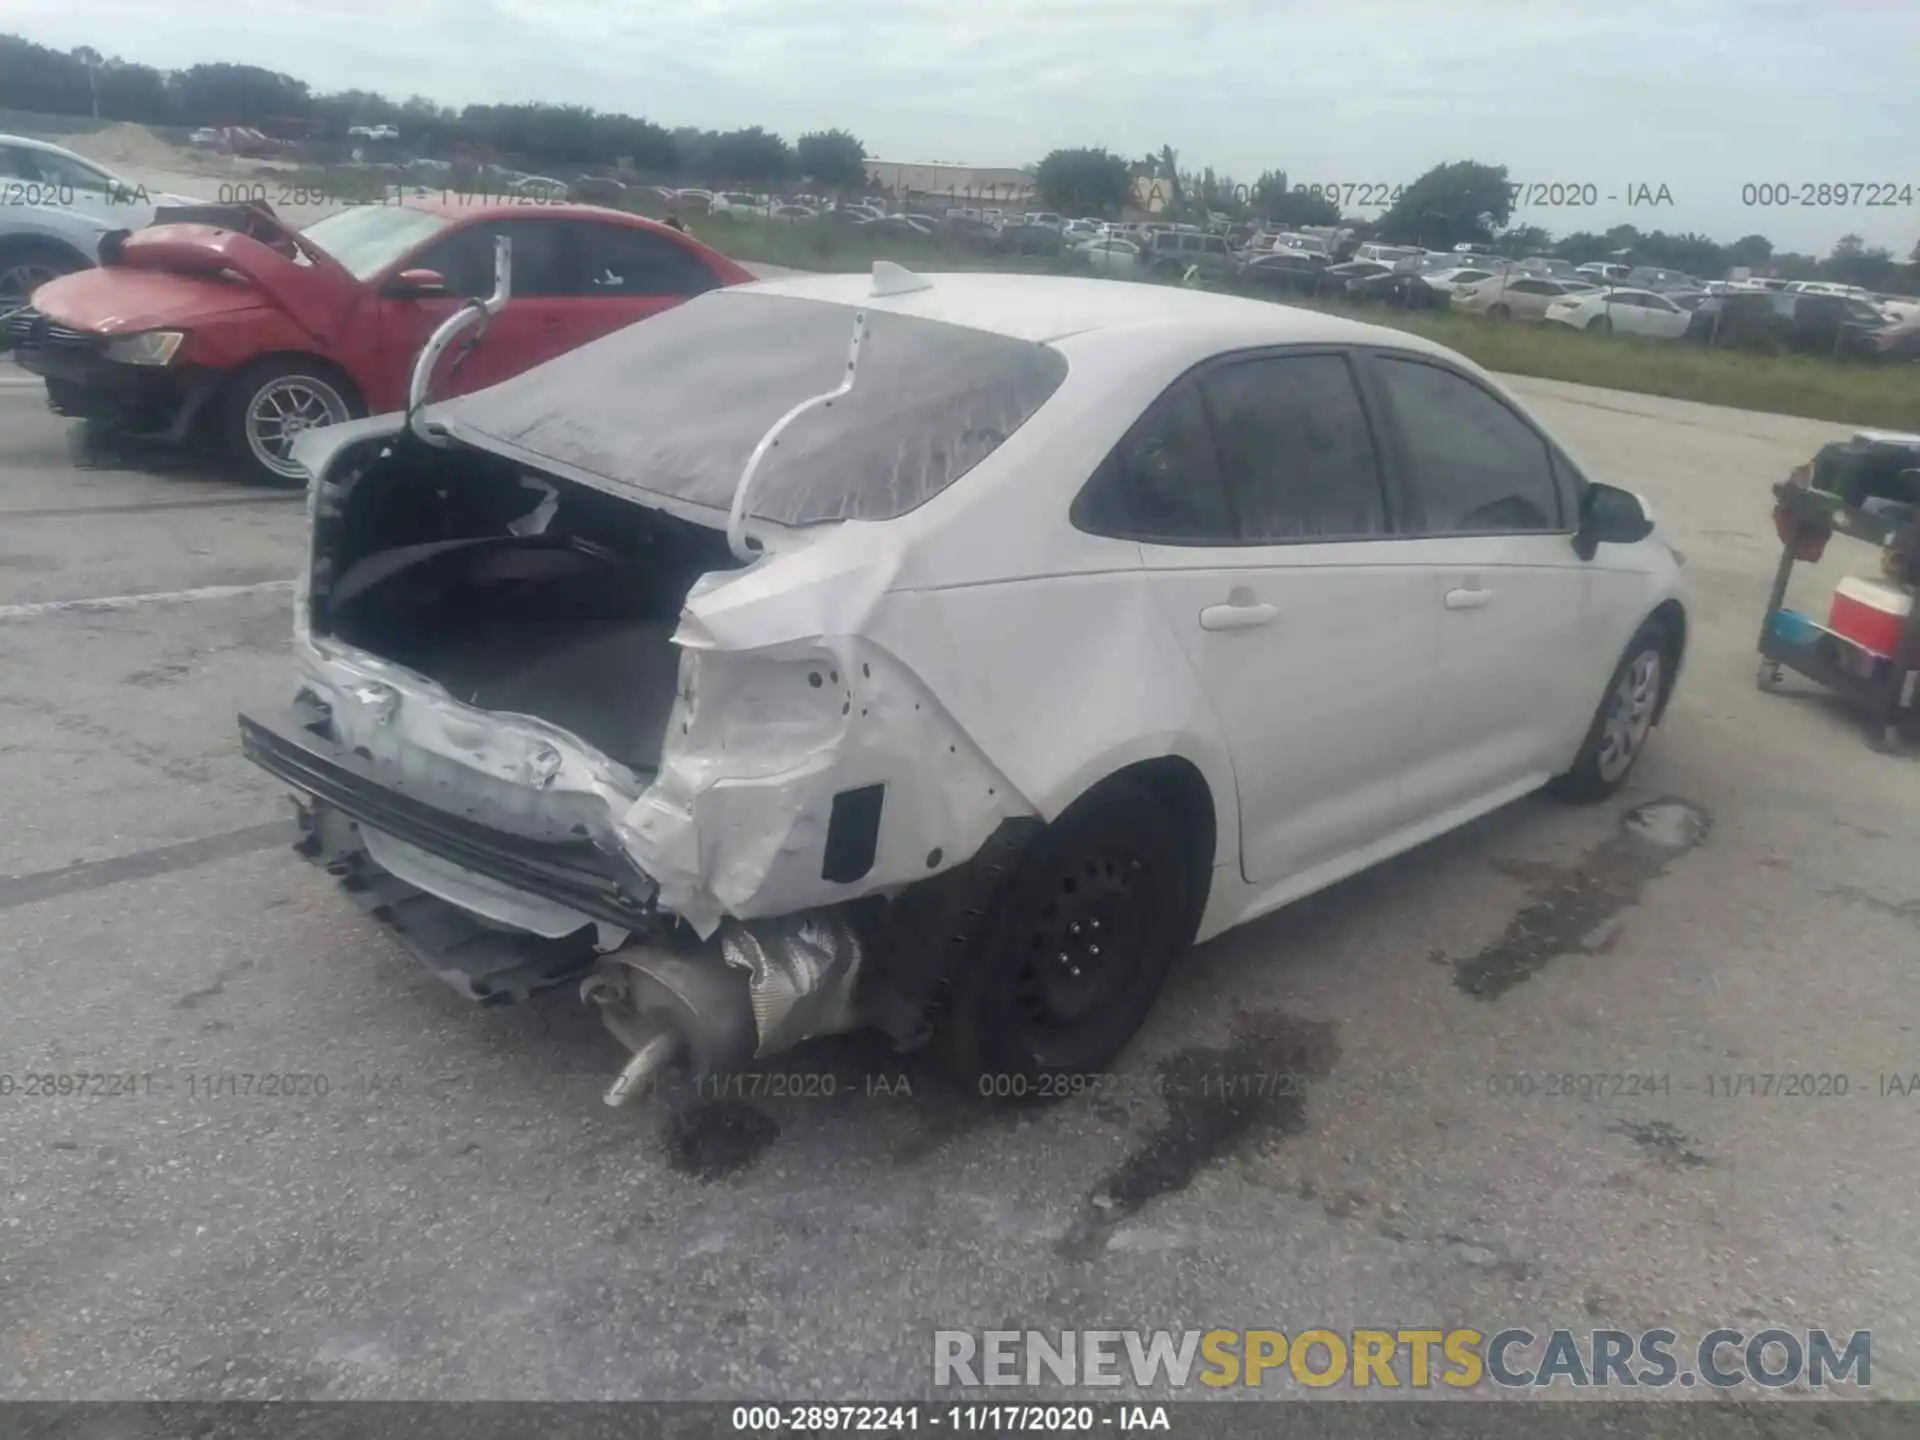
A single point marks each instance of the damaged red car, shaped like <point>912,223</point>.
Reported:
<point>224,323</point>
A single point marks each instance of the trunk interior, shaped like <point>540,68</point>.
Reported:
<point>517,592</point>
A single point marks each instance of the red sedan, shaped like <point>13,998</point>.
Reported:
<point>254,332</point>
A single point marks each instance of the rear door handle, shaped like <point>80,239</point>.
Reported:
<point>1236,617</point>
<point>1467,599</point>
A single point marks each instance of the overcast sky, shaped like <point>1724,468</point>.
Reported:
<point>1702,96</point>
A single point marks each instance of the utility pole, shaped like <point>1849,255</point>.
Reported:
<point>95,63</point>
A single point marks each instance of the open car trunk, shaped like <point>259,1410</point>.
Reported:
<point>516,592</point>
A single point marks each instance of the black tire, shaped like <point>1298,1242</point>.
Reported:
<point>1600,325</point>
<point>1597,771</point>
<point>1074,946</point>
<point>26,264</point>
<point>238,397</point>
<point>1500,312</point>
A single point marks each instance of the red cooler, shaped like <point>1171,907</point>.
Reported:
<point>1870,613</point>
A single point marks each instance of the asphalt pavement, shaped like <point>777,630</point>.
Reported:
<point>431,1202</point>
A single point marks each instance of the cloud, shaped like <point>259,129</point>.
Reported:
<point>1704,96</point>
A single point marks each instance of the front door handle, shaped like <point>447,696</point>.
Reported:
<point>1467,599</point>
<point>1236,617</point>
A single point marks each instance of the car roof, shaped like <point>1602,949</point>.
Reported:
<point>47,147</point>
<point>1096,312</point>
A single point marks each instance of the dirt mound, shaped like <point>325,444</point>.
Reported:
<point>128,144</point>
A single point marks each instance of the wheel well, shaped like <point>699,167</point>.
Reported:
<point>1671,617</point>
<point>1178,784</point>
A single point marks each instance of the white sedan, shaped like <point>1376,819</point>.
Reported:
<point>1456,281</point>
<point>940,654</point>
<point>1631,312</point>
<point>1515,296</point>
<point>1110,255</point>
<point>738,205</point>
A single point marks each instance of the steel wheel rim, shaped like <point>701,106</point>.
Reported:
<point>1080,941</point>
<point>283,410</point>
<point>18,282</point>
<point>1629,715</point>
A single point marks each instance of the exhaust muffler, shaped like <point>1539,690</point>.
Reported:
<point>770,985</point>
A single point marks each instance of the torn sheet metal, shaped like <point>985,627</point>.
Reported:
<point>779,706</point>
<point>803,972</point>
<point>758,745</point>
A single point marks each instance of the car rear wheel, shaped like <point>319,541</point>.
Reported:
<point>270,405</point>
<point>1500,312</point>
<point>1075,944</point>
<point>1625,718</point>
<point>27,265</point>
<point>1600,325</point>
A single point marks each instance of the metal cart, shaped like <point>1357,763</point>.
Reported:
<point>1886,685</point>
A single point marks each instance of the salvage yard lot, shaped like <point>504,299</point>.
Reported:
<point>457,1216</point>
<point>1811,386</point>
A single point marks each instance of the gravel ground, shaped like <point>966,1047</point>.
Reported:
<point>458,1216</point>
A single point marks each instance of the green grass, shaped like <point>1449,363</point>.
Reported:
<point>1845,391</point>
<point>810,245</point>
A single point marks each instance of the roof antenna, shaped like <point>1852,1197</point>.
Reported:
<point>892,279</point>
<point>737,516</point>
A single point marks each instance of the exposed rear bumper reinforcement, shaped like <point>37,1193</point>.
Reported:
<point>577,874</point>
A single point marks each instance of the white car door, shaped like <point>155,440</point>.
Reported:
<point>1528,298</point>
<point>1257,496</point>
<point>1663,319</point>
<point>1511,596</point>
<point>1640,312</point>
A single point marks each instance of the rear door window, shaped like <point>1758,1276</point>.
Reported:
<point>626,260</point>
<point>1295,449</point>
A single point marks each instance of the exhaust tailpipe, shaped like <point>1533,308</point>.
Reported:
<point>679,1017</point>
<point>771,985</point>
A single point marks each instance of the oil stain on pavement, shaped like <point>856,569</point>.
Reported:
<point>717,1138</point>
<point>1579,911</point>
<point>1216,1100</point>
<point>1664,1142</point>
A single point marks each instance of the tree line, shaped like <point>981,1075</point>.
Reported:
<point>85,82</point>
<point>1464,202</point>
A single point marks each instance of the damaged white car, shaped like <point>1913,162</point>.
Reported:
<point>940,654</point>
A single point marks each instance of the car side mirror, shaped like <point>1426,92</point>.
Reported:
<point>416,285</point>
<point>1610,516</point>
